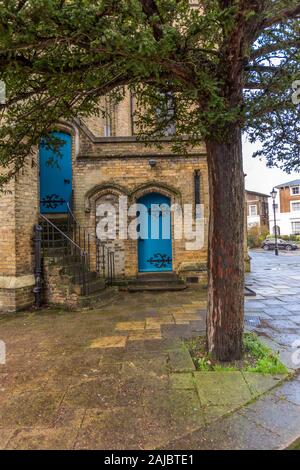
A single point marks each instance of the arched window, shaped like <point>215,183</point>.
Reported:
<point>109,118</point>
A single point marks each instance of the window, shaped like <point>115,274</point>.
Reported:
<point>107,130</point>
<point>253,210</point>
<point>165,114</point>
<point>295,206</point>
<point>109,117</point>
<point>295,190</point>
<point>296,228</point>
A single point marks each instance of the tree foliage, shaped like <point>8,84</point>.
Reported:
<point>58,57</point>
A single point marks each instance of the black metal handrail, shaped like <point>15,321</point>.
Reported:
<point>56,243</point>
<point>105,258</point>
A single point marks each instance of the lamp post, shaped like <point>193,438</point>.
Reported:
<point>273,195</point>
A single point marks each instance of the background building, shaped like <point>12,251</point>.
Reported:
<point>287,209</point>
<point>257,209</point>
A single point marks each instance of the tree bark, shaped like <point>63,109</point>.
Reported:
<point>225,319</point>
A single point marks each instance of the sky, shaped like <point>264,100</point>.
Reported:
<point>259,177</point>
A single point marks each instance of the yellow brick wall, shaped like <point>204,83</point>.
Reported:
<point>8,231</point>
<point>125,164</point>
<point>18,214</point>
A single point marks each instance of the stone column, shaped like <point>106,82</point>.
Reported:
<point>18,214</point>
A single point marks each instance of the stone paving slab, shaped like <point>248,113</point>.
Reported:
<point>282,324</point>
<point>130,326</point>
<point>222,388</point>
<point>274,311</point>
<point>290,392</point>
<point>232,433</point>
<point>22,410</point>
<point>260,383</point>
<point>136,366</point>
<point>183,381</point>
<point>49,438</point>
<point>153,323</point>
<point>181,361</point>
<point>109,342</point>
<point>277,415</point>
<point>214,413</point>
<point>144,335</point>
<point>295,318</point>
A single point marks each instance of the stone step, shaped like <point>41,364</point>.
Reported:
<point>56,242</point>
<point>158,281</point>
<point>49,236</point>
<point>59,252</point>
<point>160,276</point>
<point>67,263</point>
<point>156,287</point>
<point>97,299</point>
<point>76,276</point>
<point>94,286</point>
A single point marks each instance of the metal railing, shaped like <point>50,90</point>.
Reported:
<point>57,244</point>
<point>104,257</point>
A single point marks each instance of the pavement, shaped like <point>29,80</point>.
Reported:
<point>274,313</point>
<point>119,377</point>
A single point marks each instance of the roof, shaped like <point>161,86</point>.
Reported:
<point>256,193</point>
<point>290,183</point>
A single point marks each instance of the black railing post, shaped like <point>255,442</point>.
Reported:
<point>38,265</point>
<point>103,261</point>
<point>98,256</point>
<point>89,251</point>
<point>84,274</point>
<point>109,268</point>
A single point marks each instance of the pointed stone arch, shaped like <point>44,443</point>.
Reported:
<point>156,187</point>
<point>100,190</point>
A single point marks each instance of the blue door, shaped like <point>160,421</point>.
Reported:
<point>56,175</point>
<point>155,242</point>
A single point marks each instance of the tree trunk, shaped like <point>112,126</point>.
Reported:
<point>225,320</point>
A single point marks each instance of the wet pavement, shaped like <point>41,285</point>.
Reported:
<point>119,377</point>
<point>274,313</point>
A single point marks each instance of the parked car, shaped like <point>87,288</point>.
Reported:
<point>269,244</point>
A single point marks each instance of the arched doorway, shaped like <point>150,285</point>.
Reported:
<point>56,175</point>
<point>155,241</point>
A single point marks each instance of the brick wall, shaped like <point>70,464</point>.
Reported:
<point>286,198</point>
<point>121,167</point>
<point>8,231</point>
<point>18,214</point>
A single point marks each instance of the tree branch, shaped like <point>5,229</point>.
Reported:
<point>273,48</point>
<point>150,9</point>
<point>261,68</point>
<point>282,16</point>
